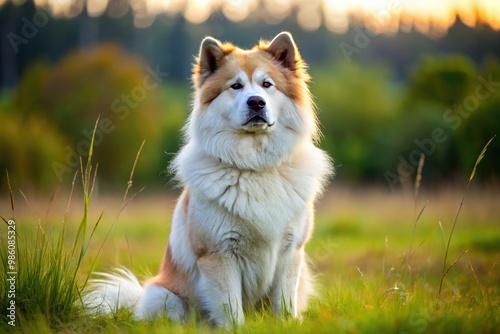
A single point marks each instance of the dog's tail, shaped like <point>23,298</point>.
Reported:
<point>110,292</point>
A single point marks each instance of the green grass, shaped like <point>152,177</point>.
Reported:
<point>360,259</point>
<point>379,265</point>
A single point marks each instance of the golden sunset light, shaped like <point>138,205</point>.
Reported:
<point>253,166</point>
<point>380,16</point>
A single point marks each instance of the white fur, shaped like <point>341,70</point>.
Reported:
<point>258,218</point>
<point>158,300</point>
<point>113,291</point>
<point>249,204</point>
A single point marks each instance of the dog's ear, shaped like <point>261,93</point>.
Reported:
<point>211,53</point>
<point>284,50</point>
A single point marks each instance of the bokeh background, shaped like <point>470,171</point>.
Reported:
<point>396,83</point>
<point>391,79</point>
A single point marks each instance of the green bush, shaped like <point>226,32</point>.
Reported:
<point>175,101</point>
<point>355,102</point>
<point>27,148</point>
<point>444,80</point>
<point>85,84</point>
<point>450,86</point>
<point>371,125</point>
<point>411,134</point>
<point>369,121</point>
<point>483,122</point>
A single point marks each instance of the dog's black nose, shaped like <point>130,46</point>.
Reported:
<point>256,103</point>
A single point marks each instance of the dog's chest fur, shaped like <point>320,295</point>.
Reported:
<point>253,215</point>
<point>267,200</point>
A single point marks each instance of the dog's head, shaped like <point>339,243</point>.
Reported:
<point>251,107</point>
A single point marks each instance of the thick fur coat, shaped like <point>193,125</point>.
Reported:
<point>251,173</point>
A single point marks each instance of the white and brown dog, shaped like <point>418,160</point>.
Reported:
<point>251,173</point>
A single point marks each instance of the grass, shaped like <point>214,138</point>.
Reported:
<point>347,242</point>
<point>445,271</point>
<point>378,257</point>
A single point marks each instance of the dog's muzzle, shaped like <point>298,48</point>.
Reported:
<point>257,114</point>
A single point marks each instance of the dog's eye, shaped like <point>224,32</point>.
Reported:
<point>237,86</point>
<point>266,84</point>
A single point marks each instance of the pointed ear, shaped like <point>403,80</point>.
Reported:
<point>284,50</point>
<point>210,55</point>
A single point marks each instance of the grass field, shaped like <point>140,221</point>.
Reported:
<point>374,275</point>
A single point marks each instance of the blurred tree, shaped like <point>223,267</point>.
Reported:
<point>27,147</point>
<point>436,84</point>
<point>370,123</point>
<point>468,104</point>
<point>175,101</point>
<point>371,126</point>
<point>481,121</point>
<point>443,80</point>
<point>407,136</point>
<point>103,81</point>
<point>356,102</point>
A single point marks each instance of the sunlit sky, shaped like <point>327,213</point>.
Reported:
<point>431,17</point>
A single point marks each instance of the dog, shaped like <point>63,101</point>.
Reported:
<point>250,173</point>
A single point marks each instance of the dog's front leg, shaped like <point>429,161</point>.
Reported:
<point>284,292</point>
<point>219,289</point>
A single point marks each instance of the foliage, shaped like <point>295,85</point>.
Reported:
<point>104,81</point>
<point>444,80</point>
<point>355,102</point>
<point>364,284</point>
<point>368,283</point>
<point>45,265</point>
<point>466,107</point>
<point>27,148</point>
<point>175,102</point>
<point>372,124</point>
<point>483,123</point>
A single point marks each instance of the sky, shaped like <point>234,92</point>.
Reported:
<point>430,17</point>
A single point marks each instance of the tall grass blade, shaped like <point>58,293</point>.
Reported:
<point>442,233</point>
<point>10,194</point>
<point>11,202</point>
<point>124,204</point>
<point>455,262</point>
<point>88,181</point>
<point>86,177</point>
<point>478,160</point>
<point>129,183</point>
<point>418,178</point>
<point>51,200</point>
<point>413,231</point>
<point>68,205</point>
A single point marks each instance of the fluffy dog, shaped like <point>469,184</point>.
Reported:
<point>250,173</point>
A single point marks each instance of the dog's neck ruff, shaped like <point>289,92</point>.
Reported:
<point>286,188</point>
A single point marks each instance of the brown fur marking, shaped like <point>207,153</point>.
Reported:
<point>291,82</point>
<point>170,275</point>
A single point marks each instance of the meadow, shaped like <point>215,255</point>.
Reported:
<point>418,258</point>
<point>378,258</point>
